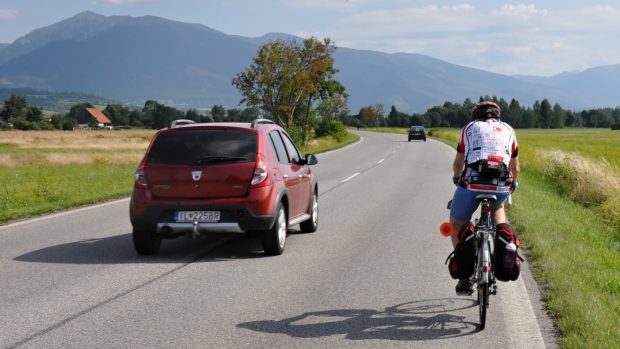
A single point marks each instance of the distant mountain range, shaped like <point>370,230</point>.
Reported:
<point>190,65</point>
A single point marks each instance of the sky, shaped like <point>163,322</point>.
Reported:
<point>541,38</point>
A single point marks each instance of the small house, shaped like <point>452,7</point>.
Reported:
<point>93,116</point>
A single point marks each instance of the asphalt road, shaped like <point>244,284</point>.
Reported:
<point>372,276</point>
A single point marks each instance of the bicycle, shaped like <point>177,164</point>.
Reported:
<point>484,235</point>
<point>484,276</point>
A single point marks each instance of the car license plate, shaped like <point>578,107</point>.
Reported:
<point>197,216</point>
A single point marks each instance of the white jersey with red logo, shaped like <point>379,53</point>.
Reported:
<point>481,139</point>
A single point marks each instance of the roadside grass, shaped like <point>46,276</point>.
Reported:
<point>323,144</point>
<point>577,258</point>
<point>35,189</point>
<point>47,171</point>
<point>572,243</point>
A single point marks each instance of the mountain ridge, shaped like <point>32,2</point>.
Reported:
<point>132,59</point>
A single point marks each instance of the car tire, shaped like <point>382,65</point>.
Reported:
<point>312,224</point>
<point>274,239</point>
<point>146,242</point>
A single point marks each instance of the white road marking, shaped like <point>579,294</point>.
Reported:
<point>380,161</point>
<point>350,177</point>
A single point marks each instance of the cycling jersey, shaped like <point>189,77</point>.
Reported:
<point>484,139</point>
<point>489,139</point>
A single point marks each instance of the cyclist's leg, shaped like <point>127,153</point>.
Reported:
<point>498,212</point>
<point>463,207</point>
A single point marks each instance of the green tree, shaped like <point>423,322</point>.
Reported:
<point>193,114</point>
<point>372,116</point>
<point>285,76</point>
<point>117,113</point>
<point>218,113</point>
<point>545,113</point>
<point>558,116</point>
<point>34,114</point>
<point>157,115</point>
<point>333,106</point>
<point>15,107</point>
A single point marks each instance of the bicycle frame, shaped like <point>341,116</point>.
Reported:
<point>484,234</point>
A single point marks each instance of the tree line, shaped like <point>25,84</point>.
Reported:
<point>540,115</point>
<point>153,115</point>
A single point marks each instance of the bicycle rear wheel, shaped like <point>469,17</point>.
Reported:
<point>483,303</point>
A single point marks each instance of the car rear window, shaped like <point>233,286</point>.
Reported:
<point>203,147</point>
<point>417,129</point>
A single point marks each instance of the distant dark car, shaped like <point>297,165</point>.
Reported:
<point>223,178</point>
<point>416,132</point>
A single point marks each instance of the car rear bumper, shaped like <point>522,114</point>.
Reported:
<point>237,215</point>
<point>233,219</point>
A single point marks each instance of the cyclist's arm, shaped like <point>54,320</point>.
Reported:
<point>459,164</point>
<point>514,168</point>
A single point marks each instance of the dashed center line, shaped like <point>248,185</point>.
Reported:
<point>350,177</point>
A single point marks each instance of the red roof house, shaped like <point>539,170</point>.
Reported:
<point>93,116</point>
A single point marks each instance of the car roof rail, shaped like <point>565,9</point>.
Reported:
<point>257,122</point>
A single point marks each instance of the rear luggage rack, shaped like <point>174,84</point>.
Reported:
<point>257,122</point>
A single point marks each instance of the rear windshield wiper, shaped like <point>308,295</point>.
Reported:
<point>218,158</point>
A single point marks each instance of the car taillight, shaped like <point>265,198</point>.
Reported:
<point>140,177</point>
<point>260,177</point>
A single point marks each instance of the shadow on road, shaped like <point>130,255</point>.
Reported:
<point>412,321</point>
<point>119,249</point>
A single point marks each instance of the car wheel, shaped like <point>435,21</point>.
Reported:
<point>274,239</point>
<point>146,242</point>
<point>312,224</point>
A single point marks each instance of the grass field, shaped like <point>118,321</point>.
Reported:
<point>45,171</point>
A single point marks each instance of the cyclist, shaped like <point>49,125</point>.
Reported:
<point>486,162</point>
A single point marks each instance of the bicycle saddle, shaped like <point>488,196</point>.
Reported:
<point>482,197</point>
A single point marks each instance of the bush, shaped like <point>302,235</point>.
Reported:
<point>295,133</point>
<point>330,127</point>
<point>615,126</point>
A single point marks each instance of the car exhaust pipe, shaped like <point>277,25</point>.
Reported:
<point>195,232</point>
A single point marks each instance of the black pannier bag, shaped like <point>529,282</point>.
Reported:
<point>462,260</point>
<point>506,261</point>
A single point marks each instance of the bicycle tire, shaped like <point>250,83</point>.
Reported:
<point>483,303</point>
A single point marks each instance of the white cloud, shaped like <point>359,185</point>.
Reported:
<point>411,20</point>
<point>521,11</point>
<point>7,13</point>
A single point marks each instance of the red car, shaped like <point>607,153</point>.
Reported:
<point>224,178</point>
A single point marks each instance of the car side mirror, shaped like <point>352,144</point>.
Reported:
<point>311,159</point>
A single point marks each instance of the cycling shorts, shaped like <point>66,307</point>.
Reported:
<point>464,202</point>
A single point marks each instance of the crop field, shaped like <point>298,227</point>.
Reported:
<point>43,171</point>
